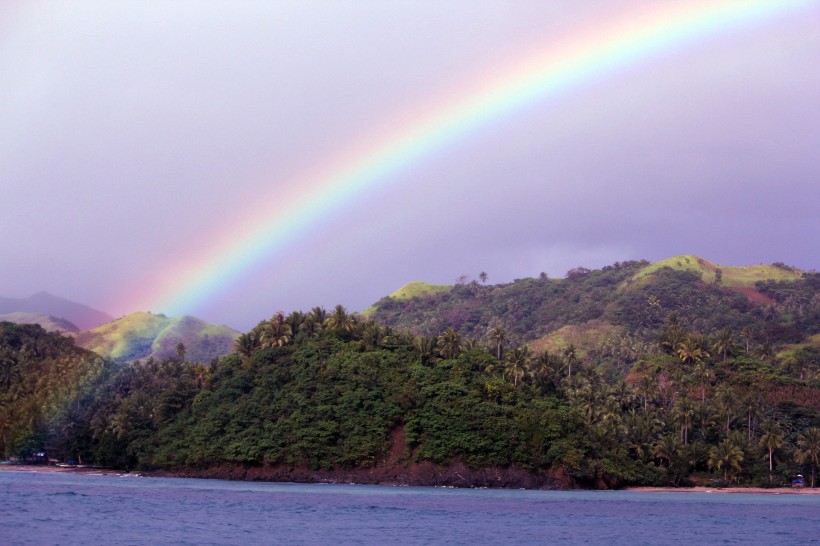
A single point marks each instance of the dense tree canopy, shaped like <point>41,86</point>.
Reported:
<point>697,385</point>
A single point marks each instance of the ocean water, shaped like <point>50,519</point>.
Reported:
<point>61,508</point>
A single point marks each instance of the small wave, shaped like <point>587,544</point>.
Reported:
<point>67,494</point>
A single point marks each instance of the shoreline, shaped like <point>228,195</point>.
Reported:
<point>53,469</point>
<point>747,490</point>
<point>639,489</point>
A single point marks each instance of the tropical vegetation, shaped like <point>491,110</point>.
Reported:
<point>611,376</point>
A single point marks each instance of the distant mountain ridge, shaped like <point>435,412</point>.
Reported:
<point>136,336</point>
<point>49,322</point>
<point>82,316</point>
<point>144,335</point>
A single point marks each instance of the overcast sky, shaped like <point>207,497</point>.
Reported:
<point>131,133</point>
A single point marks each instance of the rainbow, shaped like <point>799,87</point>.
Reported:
<point>267,228</point>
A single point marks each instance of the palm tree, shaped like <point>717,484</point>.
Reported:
<point>339,319</point>
<point>424,347</point>
<point>753,408</point>
<point>498,334</point>
<point>688,352</point>
<point>247,344</point>
<point>295,320</point>
<point>275,332</point>
<point>684,411</point>
<point>570,357</point>
<point>319,316</point>
<point>449,343</point>
<point>808,449</point>
<point>519,362</point>
<point>673,333</point>
<point>666,447</point>
<point>747,334</point>
<point>725,403</point>
<point>483,277</point>
<point>725,341</point>
<point>726,456</point>
<point>647,384</point>
<point>372,334</point>
<point>704,373</point>
<point>639,434</point>
<point>548,367</point>
<point>181,350</point>
<point>309,326</point>
<point>771,439</point>
<point>653,310</point>
<point>696,453</point>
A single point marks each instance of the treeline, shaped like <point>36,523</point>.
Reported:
<point>531,308</point>
<point>43,376</point>
<point>325,390</point>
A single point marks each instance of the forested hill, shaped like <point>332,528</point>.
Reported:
<point>44,381</point>
<point>678,378</point>
<point>766,308</point>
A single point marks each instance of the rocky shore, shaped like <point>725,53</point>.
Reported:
<point>421,474</point>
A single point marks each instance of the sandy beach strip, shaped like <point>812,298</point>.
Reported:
<point>748,490</point>
<point>48,468</point>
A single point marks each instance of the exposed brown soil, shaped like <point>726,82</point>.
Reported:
<point>803,396</point>
<point>754,296</point>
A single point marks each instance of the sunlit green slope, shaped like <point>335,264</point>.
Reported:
<point>143,335</point>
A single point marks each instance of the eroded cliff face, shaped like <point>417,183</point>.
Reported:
<point>396,469</point>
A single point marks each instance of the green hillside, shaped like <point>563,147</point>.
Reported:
<point>584,337</point>
<point>145,335</point>
<point>412,290</point>
<point>605,378</point>
<point>732,276</point>
<point>417,289</point>
<point>44,380</point>
<point>741,278</point>
<point>633,297</point>
<point>341,399</point>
